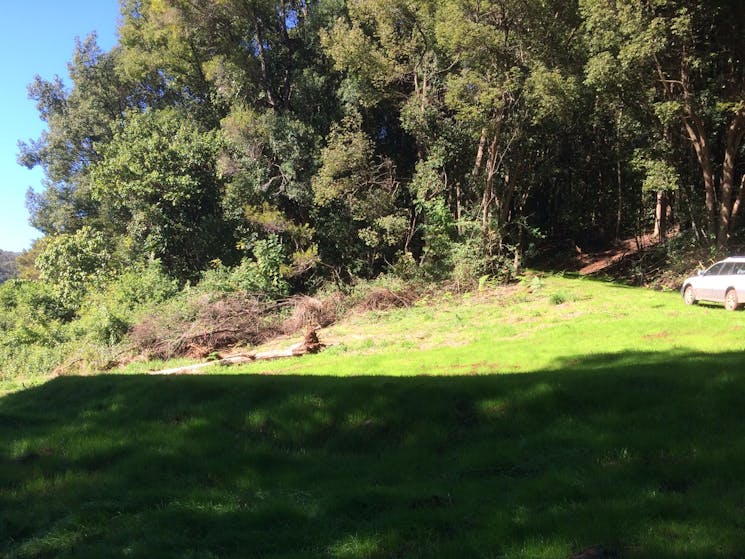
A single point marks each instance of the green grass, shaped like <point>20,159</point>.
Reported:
<point>627,433</point>
<point>518,330</point>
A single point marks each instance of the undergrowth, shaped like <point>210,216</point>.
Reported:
<point>144,315</point>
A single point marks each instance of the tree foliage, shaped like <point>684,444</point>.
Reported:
<point>74,263</point>
<point>157,186</point>
<point>337,138</point>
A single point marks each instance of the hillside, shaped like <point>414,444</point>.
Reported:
<point>7,265</point>
<point>270,151</point>
<point>408,437</point>
<point>541,323</point>
<point>441,140</point>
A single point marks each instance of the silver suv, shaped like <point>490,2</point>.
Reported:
<point>724,282</point>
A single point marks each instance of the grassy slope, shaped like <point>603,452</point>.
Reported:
<point>626,434</point>
<point>520,329</point>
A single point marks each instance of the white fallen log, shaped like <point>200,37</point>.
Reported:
<point>185,370</point>
<point>309,345</point>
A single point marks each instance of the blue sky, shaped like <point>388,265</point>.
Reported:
<point>36,37</point>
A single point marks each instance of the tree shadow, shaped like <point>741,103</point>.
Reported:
<point>640,454</point>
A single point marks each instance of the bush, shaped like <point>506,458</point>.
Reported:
<point>32,329</point>
<point>29,361</point>
<point>40,333</point>
<point>405,267</point>
<point>143,285</point>
<point>438,232</point>
<point>30,313</point>
<point>261,275</point>
<point>103,325</point>
<point>468,264</point>
<point>74,263</point>
<point>107,314</point>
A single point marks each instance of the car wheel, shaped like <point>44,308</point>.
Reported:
<point>730,300</point>
<point>688,296</point>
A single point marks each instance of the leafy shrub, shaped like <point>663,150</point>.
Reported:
<point>102,325</point>
<point>143,285</point>
<point>437,232</point>
<point>30,313</point>
<point>32,328</point>
<point>468,264</point>
<point>485,282</point>
<point>28,361</point>
<point>40,332</point>
<point>558,298</point>
<point>406,268</point>
<point>107,314</point>
<point>74,263</point>
<point>536,284</point>
<point>260,275</point>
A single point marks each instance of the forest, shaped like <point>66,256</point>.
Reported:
<point>7,265</point>
<point>275,147</point>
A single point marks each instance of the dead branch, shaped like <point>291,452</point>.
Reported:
<point>310,344</point>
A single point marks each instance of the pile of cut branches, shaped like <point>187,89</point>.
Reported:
<point>384,298</point>
<point>205,324</point>
<point>202,324</point>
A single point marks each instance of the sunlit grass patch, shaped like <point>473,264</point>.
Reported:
<point>517,329</point>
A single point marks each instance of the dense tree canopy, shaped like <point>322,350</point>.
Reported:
<point>361,135</point>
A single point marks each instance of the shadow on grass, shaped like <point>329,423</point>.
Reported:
<point>642,455</point>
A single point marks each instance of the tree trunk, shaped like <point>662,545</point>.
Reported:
<point>459,207</point>
<point>309,345</point>
<point>504,202</point>
<point>688,198</point>
<point>491,170</point>
<point>619,200</point>
<point>660,216</point>
<point>738,201</point>
<point>734,138</point>
<point>697,135</point>
<point>479,154</point>
<point>619,179</point>
<point>259,38</point>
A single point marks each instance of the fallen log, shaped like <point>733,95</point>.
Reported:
<point>310,344</point>
<point>185,370</point>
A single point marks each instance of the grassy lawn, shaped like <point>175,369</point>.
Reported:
<point>543,324</point>
<point>409,437</point>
